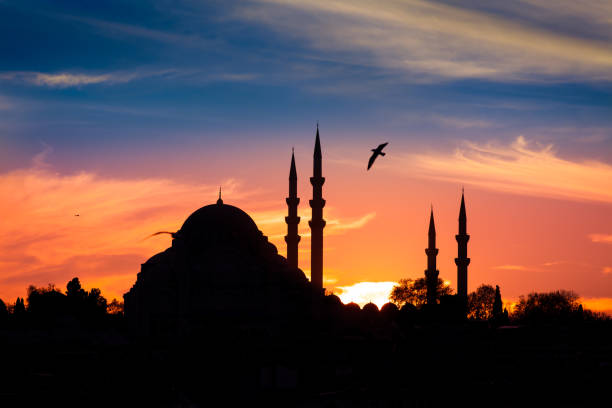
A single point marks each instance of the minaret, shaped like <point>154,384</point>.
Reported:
<point>462,261</point>
<point>317,223</point>
<point>292,238</point>
<point>431,273</point>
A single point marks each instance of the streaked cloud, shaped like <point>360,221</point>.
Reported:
<point>59,226</point>
<point>429,39</point>
<point>365,292</point>
<point>511,267</point>
<point>553,263</point>
<point>66,79</point>
<point>335,226</point>
<point>275,221</point>
<point>601,238</point>
<point>520,168</point>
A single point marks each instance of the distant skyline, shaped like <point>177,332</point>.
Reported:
<point>132,114</point>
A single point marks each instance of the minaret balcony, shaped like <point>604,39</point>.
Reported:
<point>462,238</point>
<point>317,181</point>
<point>292,220</point>
<point>292,239</point>
<point>320,203</point>
<point>462,261</point>
<point>317,224</point>
<point>293,201</point>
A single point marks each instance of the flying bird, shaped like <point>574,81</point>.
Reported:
<point>172,234</point>
<point>377,152</point>
<point>77,215</point>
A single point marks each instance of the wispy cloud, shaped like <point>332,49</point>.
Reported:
<point>75,79</point>
<point>511,267</point>
<point>43,240</point>
<point>66,79</point>
<point>335,226</point>
<point>553,263</point>
<point>519,168</point>
<point>601,238</point>
<point>428,39</point>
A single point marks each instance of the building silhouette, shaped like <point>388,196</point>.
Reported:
<point>317,223</point>
<point>462,261</point>
<point>221,271</point>
<point>292,238</point>
<point>431,273</point>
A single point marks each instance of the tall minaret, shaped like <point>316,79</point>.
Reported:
<point>431,273</point>
<point>292,238</point>
<point>462,261</point>
<point>317,223</point>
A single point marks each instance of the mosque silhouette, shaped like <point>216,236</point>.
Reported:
<point>221,270</point>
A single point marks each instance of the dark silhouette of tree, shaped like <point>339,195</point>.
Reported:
<point>19,308</point>
<point>551,306</point>
<point>115,307</point>
<point>46,305</point>
<point>3,313</point>
<point>480,303</point>
<point>414,292</point>
<point>497,303</point>
<point>96,301</point>
<point>74,289</point>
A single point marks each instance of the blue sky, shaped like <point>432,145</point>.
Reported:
<point>116,76</point>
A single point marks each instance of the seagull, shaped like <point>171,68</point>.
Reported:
<point>378,151</point>
<point>172,234</point>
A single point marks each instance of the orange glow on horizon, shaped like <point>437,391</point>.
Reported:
<point>363,293</point>
<point>376,231</point>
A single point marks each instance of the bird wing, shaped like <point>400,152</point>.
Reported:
<point>160,232</point>
<point>372,158</point>
<point>382,146</point>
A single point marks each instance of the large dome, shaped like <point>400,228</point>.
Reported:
<point>219,218</point>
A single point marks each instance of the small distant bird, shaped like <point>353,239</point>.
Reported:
<point>377,152</point>
<point>77,215</point>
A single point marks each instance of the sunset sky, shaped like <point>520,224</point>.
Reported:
<point>132,114</point>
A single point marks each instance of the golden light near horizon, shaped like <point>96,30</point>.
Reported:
<point>363,293</point>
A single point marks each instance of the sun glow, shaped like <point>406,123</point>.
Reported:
<point>366,292</point>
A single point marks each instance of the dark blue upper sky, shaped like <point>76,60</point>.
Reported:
<point>93,79</point>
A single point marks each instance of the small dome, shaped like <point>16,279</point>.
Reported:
<point>370,308</point>
<point>221,219</point>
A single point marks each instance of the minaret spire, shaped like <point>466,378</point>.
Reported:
<point>462,261</point>
<point>292,238</point>
<point>431,273</point>
<point>219,201</point>
<point>317,223</point>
